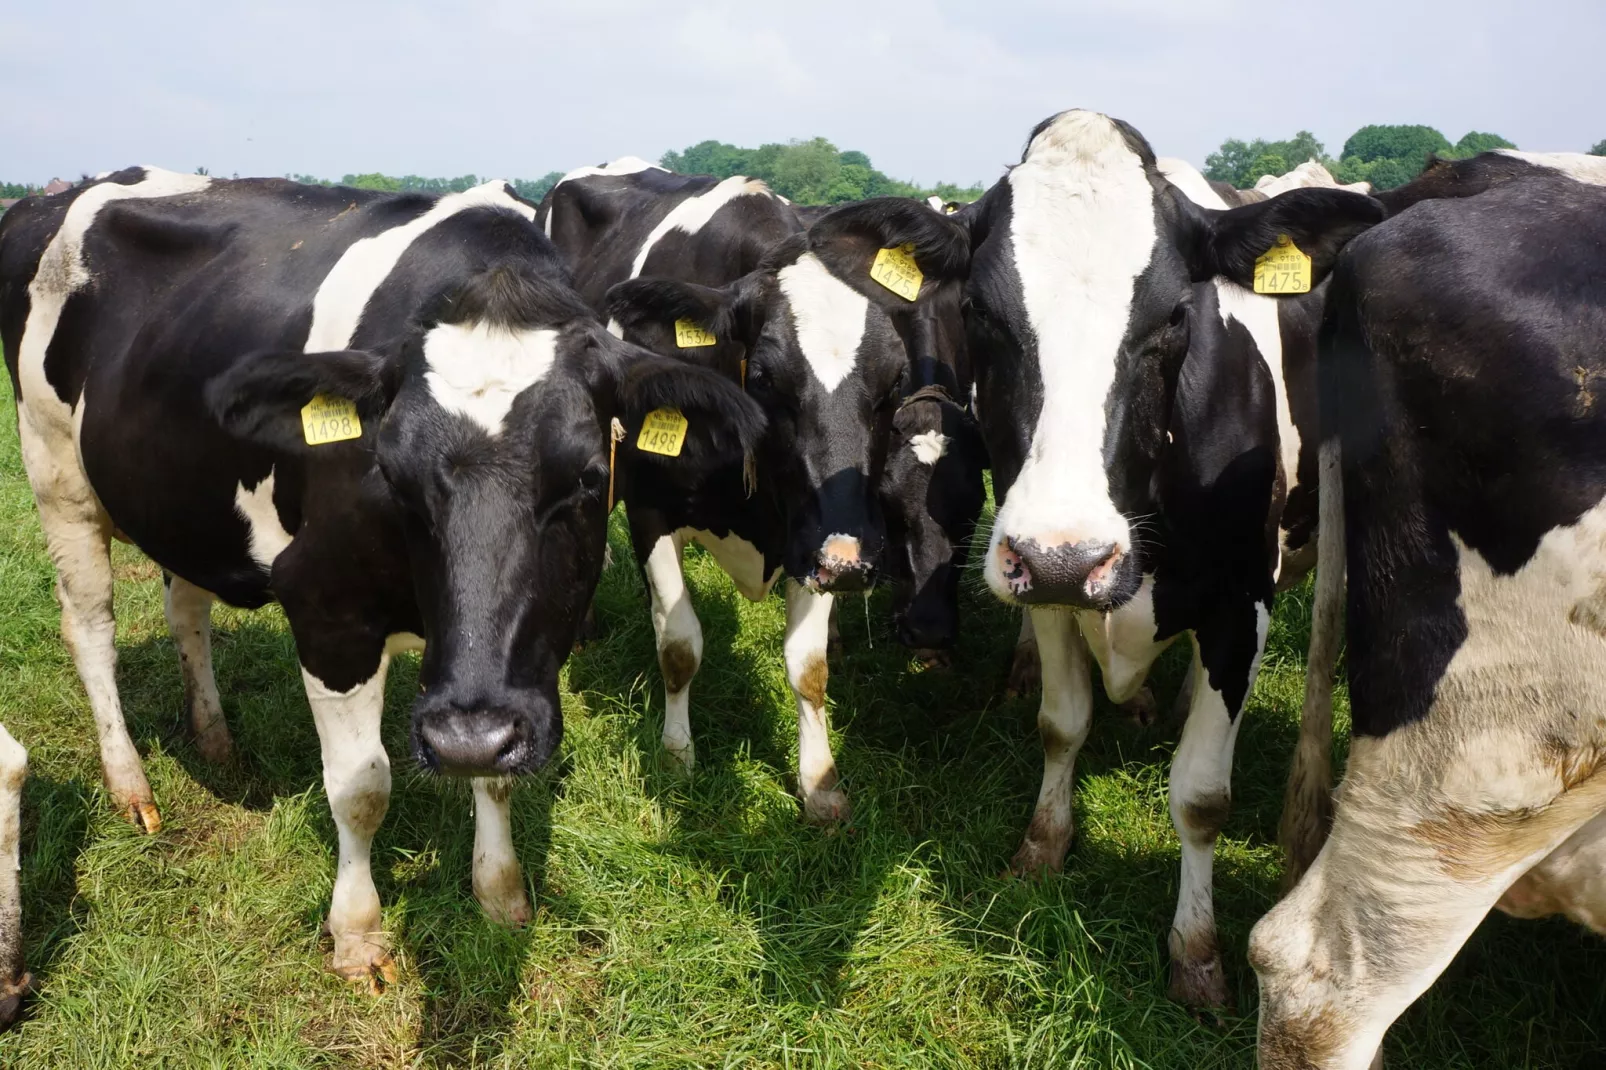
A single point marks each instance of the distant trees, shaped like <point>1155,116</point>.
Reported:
<point>1599,149</point>
<point>12,191</point>
<point>1385,156</point>
<point>1242,163</point>
<point>807,172</point>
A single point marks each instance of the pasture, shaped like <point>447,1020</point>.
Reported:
<point>681,921</point>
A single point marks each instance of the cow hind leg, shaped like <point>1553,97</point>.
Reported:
<point>356,777</point>
<point>189,621</point>
<point>15,982</point>
<point>808,618</point>
<point>498,880</point>
<point>680,643</point>
<point>78,534</point>
<point>1063,719</point>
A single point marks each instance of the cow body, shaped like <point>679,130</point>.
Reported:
<point>15,981</point>
<point>1135,399</point>
<point>164,333</point>
<point>1459,364</point>
<point>827,358</point>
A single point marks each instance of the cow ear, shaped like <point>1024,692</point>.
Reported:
<point>722,424</point>
<point>260,397</point>
<point>701,324</point>
<point>1319,222</point>
<point>873,245</point>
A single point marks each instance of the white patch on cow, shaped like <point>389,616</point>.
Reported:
<point>934,203</point>
<point>680,639</point>
<point>1082,230</point>
<point>624,165</point>
<point>477,371</point>
<point>1571,881</point>
<point>742,561</point>
<point>498,882</point>
<point>62,272</point>
<point>267,536</point>
<point>829,316</point>
<point>929,446</point>
<point>338,305</point>
<point>1575,165</point>
<point>615,328</point>
<point>1064,717</point>
<point>693,213</point>
<point>1124,642</point>
<point>1186,177</point>
<point>13,771</point>
<point>808,629</point>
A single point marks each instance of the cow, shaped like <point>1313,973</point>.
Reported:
<point>1132,397</point>
<point>16,983</point>
<point>725,272</point>
<point>1462,490</point>
<point>389,413</point>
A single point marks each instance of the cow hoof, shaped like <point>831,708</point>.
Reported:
<point>1025,672</point>
<point>684,752</point>
<point>143,815</point>
<point>215,744</point>
<point>1035,860</point>
<point>933,660</point>
<point>12,996</point>
<point>511,909</point>
<point>364,964</point>
<point>1199,983</point>
<point>827,808</point>
<point>1142,707</point>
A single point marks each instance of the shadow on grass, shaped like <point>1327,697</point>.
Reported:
<point>55,823</point>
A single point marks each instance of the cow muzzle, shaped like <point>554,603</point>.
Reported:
<point>1084,575</point>
<point>499,738</point>
<point>839,567</point>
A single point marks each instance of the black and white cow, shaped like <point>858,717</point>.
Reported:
<point>790,313</point>
<point>16,983</point>
<point>388,412</point>
<point>1463,489</point>
<point>1134,402</point>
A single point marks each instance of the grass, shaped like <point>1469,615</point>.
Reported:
<point>681,922</point>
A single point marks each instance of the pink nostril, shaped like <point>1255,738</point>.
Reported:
<point>1013,567</point>
<point>1103,574</point>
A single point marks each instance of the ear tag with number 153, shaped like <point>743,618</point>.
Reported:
<point>689,335</point>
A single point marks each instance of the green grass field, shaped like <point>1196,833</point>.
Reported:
<point>681,922</point>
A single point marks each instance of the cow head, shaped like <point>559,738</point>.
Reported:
<point>824,357</point>
<point>486,433</point>
<point>1079,318</point>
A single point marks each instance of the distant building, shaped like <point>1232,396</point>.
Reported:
<point>56,185</point>
<point>7,202</point>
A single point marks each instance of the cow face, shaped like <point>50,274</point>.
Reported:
<point>824,358</point>
<point>1079,319</point>
<point>487,433</point>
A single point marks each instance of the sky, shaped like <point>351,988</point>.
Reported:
<point>930,89</point>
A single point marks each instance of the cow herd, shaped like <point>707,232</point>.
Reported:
<point>407,418</point>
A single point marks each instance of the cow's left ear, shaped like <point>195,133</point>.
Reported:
<point>893,250</point>
<point>1318,222</point>
<point>260,397</point>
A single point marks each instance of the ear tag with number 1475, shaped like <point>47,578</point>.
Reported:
<point>896,270</point>
<point>1282,269</point>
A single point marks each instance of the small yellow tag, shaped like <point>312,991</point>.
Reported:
<point>689,335</point>
<point>1282,269</point>
<point>897,271</point>
<point>662,432</point>
<point>327,418</point>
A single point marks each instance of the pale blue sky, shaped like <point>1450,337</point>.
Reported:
<point>931,89</point>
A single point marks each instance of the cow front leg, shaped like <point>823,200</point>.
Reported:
<point>498,880</point>
<point>808,618</point>
<point>1201,797</point>
<point>356,776</point>
<point>1063,719</point>
<point>15,982</point>
<point>680,642</point>
<point>189,620</point>
<point>1025,667</point>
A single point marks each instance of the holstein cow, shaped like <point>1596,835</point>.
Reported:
<point>1143,448</point>
<point>1462,488</point>
<point>725,273</point>
<point>388,412</point>
<point>16,983</point>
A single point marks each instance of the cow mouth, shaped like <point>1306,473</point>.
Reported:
<point>1095,576</point>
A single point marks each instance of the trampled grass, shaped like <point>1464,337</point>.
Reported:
<point>682,922</point>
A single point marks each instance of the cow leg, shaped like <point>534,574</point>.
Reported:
<point>680,642</point>
<point>15,982</point>
<point>356,777</point>
<point>1201,796</point>
<point>1025,668</point>
<point>807,635</point>
<point>498,881</point>
<point>1571,881</point>
<point>189,620</point>
<point>78,534</point>
<point>1063,719</point>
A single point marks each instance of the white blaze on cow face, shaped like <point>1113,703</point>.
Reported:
<point>693,213</point>
<point>828,315</point>
<point>478,370</point>
<point>1082,229</point>
<point>929,446</point>
<point>265,531</point>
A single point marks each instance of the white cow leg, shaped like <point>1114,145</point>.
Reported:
<point>680,643</point>
<point>15,982</point>
<point>356,776</point>
<point>498,880</point>
<point>78,534</point>
<point>1063,720</point>
<point>1201,798</point>
<point>189,620</point>
<point>808,618</point>
<point>1025,667</point>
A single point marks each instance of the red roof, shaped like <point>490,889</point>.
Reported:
<point>56,185</point>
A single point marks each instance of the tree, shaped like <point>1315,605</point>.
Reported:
<point>1599,149</point>
<point>805,170</point>
<point>373,180</point>
<point>1243,163</point>
<point>1371,143</point>
<point>535,190</point>
<point>1475,142</point>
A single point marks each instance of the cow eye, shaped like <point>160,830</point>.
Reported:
<point>593,478</point>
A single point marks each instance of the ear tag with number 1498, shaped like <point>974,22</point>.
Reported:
<point>327,418</point>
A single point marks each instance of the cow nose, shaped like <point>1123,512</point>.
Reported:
<point>839,566</point>
<point>481,741</point>
<point>1082,574</point>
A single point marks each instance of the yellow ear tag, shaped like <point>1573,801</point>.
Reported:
<point>1282,269</point>
<point>689,335</point>
<point>327,418</point>
<point>897,271</point>
<point>662,432</point>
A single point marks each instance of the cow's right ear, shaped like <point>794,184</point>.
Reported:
<point>894,250</point>
<point>260,397</point>
<point>1318,222</point>
<point>707,326</point>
